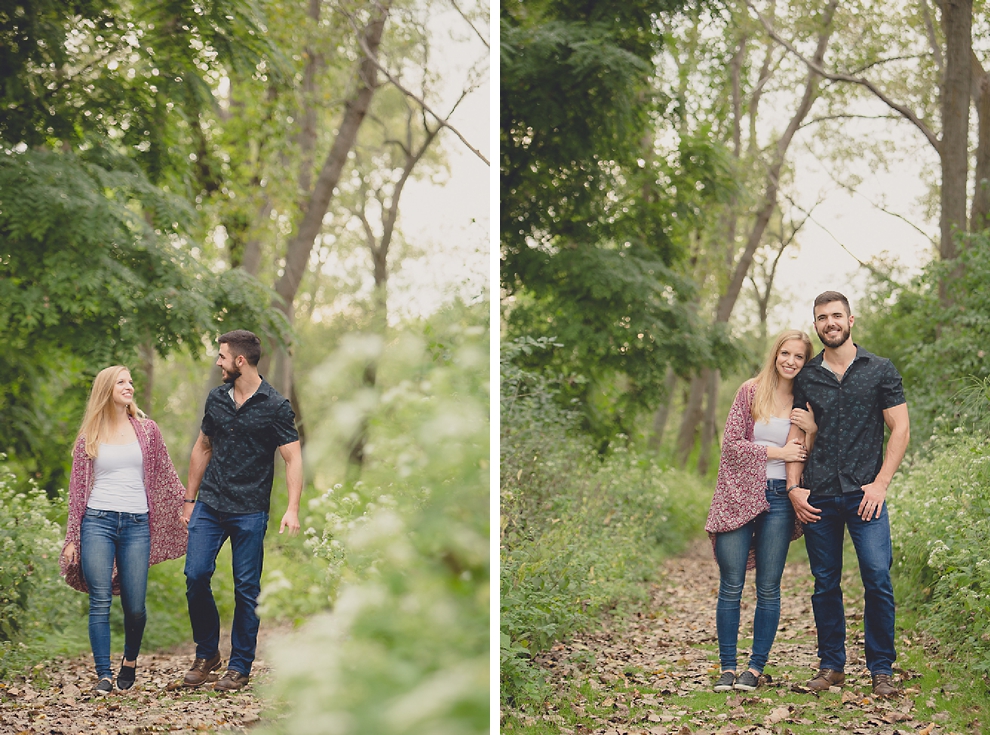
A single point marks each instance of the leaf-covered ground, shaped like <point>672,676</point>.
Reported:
<point>651,672</point>
<point>56,699</point>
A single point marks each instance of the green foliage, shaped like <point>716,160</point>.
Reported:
<point>133,72</point>
<point>596,212</point>
<point>28,538</point>
<point>938,348</point>
<point>90,268</point>
<point>405,548</point>
<point>33,597</point>
<point>579,535</point>
<point>103,153</point>
<point>940,518</point>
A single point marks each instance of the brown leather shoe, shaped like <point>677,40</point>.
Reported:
<point>883,686</point>
<point>824,679</point>
<point>231,681</point>
<point>199,674</point>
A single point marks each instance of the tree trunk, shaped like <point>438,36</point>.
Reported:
<point>146,354</point>
<point>979,217</point>
<point>691,418</point>
<point>708,427</point>
<point>318,202</point>
<point>251,257</point>
<point>214,378</point>
<point>727,301</point>
<point>765,73</point>
<point>379,255</point>
<point>957,20</point>
<point>663,411</point>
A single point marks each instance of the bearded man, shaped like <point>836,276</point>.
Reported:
<point>853,394</point>
<point>231,471</point>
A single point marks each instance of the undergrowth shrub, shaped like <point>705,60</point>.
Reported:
<point>33,598</point>
<point>940,523</point>
<point>404,549</point>
<point>579,534</point>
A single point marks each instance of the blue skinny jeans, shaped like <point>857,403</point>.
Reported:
<point>208,530</point>
<point>772,531</point>
<point>824,539</point>
<point>107,536</point>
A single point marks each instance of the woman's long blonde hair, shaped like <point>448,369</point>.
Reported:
<point>767,380</point>
<point>100,410</point>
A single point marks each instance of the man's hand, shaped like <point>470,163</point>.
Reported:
<point>291,521</point>
<point>187,512</point>
<point>804,511</point>
<point>872,503</point>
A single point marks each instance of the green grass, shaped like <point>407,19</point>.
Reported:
<point>942,691</point>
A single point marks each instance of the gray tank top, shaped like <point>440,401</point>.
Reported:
<point>773,433</point>
<point>118,483</point>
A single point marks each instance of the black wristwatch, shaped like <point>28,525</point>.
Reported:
<point>791,488</point>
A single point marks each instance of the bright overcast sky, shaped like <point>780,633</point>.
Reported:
<point>846,227</point>
<point>450,221</point>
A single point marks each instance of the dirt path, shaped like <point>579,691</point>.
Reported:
<point>653,674</point>
<point>57,701</point>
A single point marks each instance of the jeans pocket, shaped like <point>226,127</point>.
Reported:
<point>140,519</point>
<point>93,513</point>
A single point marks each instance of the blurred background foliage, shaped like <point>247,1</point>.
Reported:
<point>173,170</point>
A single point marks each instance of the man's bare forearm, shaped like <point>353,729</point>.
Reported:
<point>794,469</point>
<point>294,483</point>
<point>199,459</point>
<point>897,446</point>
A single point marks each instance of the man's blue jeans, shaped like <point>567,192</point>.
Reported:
<point>106,536</point>
<point>208,529</point>
<point>823,540</point>
<point>773,531</point>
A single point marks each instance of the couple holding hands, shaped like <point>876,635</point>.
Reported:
<point>803,454</point>
<point>129,510</point>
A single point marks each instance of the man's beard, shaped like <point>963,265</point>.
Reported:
<point>231,376</point>
<point>833,341</point>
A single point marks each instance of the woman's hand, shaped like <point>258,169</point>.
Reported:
<point>70,553</point>
<point>793,451</point>
<point>804,420</point>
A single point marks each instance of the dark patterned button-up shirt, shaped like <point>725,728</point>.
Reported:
<point>848,451</point>
<point>238,478</point>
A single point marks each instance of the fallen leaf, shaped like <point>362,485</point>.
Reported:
<point>892,717</point>
<point>777,715</point>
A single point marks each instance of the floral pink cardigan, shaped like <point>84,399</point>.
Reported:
<point>165,493</point>
<point>740,490</point>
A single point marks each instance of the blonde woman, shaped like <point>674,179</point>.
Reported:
<point>125,510</point>
<point>751,520</point>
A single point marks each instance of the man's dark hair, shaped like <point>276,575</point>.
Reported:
<point>826,298</point>
<point>244,343</point>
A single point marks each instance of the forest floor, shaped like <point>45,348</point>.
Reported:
<point>651,671</point>
<point>56,699</point>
